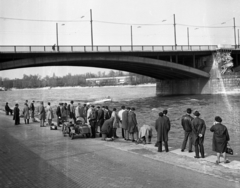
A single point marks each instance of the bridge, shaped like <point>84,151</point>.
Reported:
<point>160,62</point>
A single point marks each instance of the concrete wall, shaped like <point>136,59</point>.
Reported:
<point>217,84</point>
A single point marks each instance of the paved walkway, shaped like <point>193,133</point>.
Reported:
<point>31,156</point>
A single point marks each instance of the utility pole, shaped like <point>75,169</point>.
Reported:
<point>238,39</point>
<point>188,36</point>
<point>131,39</point>
<point>175,38</point>
<point>234,27</point>
<point>91,28</point>
<point>57,35</point>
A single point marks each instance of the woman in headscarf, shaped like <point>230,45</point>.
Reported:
<point>26,114</point>
<point>49,112</point>
<point>220,139</point>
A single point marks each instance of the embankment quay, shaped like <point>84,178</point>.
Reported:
<point>33,156</point>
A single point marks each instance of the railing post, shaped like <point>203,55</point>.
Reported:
<point>162,48</point>
<point>97,48</point>
<point>152,48</point>
<point>182,48</point>
<point>30,48</point>
<point>84,48</point>
<point>120,48</point>
<point>15,49</point>
<point>71,48</point>
<point>44,48</point>
<point>172,48</point>
<point>200,48</point>
<point>142,48</point>
<point>109,48</point>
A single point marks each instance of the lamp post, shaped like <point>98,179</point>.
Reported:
<point>175,37</point>
<point>57,35</point>
<point>234,27</point>
<point>238,39</point>
<point>131,39</point>
<point>91,28</point>
<point>188,36</point>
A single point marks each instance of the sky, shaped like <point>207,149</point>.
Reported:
<point>33,22</point>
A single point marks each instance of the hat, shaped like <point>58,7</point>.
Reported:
<point>160,114</point>
<point>196,113</point>
<point>218,119</point>
<point>189,110</point>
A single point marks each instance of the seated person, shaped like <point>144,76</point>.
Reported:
<point>8,109</point>
<point>107,129</point>
<point>145,132</point>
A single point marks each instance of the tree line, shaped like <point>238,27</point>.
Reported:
<point>36,81</point>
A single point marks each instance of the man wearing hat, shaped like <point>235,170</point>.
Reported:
<point>59,114</point>
<point>198,129</point>
<point>16,113</point>
<point>162,127</point>
<point>187,127</point>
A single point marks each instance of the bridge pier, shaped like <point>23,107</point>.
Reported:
<point>216,84</point>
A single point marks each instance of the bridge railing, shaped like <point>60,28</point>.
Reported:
<point>103,48</point>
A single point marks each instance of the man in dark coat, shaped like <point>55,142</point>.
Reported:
<point>107,129</point>
<point>220,139</point>
<point>125,123</point>
<point>32,109</point>
<point>59,114</point>
<point>16,113</point>
<point>132,124</point>
<point>100,118</point>
<point>186,122</point>
<point>107,113</point>
<point>8,109</point>
<point>162,127</point>
<point>93,121</point>
<point>198,130</point>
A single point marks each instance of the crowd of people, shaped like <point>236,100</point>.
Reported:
<point>102,120</point>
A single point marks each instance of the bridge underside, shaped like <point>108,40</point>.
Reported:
<point>159,69</point>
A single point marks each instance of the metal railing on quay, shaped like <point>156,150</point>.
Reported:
<point>104,48</point>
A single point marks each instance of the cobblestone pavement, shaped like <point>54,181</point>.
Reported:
<point>31,157</point>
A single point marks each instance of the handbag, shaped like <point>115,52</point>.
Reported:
<point>229,150</point>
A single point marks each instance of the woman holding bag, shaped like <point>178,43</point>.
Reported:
<point>220,139</point>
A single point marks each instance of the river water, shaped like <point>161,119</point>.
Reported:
<point>147,107</point>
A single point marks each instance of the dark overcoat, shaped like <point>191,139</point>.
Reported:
<point>16,112</point>
<point>198,127</point>
<point>132,122</point>
<point>107,126</point>
<point>42,112</point>
<point>220,137</point>
<point>125,120</point>
<point>100,117</point>
<point>187,123</point>
<point>162,127</point>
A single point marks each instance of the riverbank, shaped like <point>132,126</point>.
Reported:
<point>68,156</point>
<point>85,87</point>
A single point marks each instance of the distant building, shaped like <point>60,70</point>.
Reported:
<point>119,80</point>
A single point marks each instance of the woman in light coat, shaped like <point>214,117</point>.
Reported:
<point>115,122</point>
<point>49,112</point>
<point>26,114</point>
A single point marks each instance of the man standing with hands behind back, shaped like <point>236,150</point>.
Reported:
<point>187,127</point>
<point>198,129</point>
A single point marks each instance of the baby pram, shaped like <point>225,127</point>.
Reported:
<point>66,127</point>
<point>80,128</point>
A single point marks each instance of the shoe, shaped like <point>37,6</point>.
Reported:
<point>196,157</point>
<point>217,162</point>
<point>116,137</point>
<point>203,156</point>
<point>190,151</point>
<point>182,150</point>
<point>133,140</point>
<point>227,161</point>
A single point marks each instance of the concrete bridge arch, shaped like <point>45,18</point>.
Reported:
<point>159,69</point>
